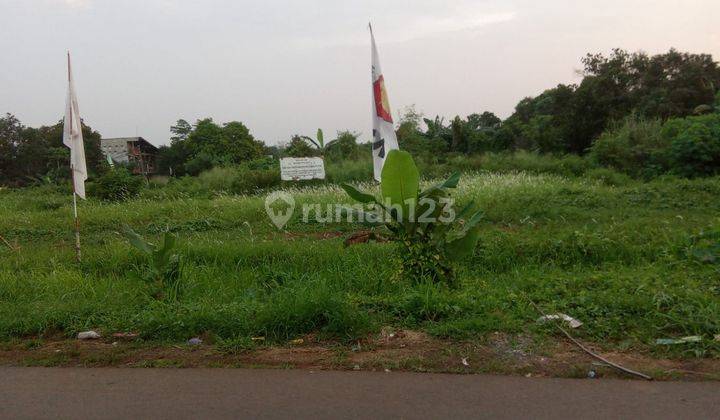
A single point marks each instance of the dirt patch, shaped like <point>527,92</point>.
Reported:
<point>314,235</point>
<point>391,349</point>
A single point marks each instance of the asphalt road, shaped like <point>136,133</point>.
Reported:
<point>108,393</point>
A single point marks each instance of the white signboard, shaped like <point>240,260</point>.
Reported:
<point>297,169</point>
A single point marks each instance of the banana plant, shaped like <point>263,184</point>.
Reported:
<point>433,234</point>
<point>163,268</point>
<point>319,141</point>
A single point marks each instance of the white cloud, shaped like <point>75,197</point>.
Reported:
<point>422,25</point>
<point>425,26</point>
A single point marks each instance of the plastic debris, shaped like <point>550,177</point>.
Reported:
<point>356,367</point>
<point>297,341</point>
<point>387,370</point>
<point>572,322</point>
<point>465,362</point>
<point>257,338</point>
<point>195,341</point>
<point>88,335</point>
<point>683,340</point>
<point>592,374</point>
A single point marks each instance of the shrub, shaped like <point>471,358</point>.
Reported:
<point>201,162</point>
<point>183,187</point>
<point>608,176</point>
<point>566,165</point>
<point>695,145</point>
<point>219,178</point>
<point>117,184</point>
<point>349,170</point>
<point>247,181</point>
<point>634,146</point>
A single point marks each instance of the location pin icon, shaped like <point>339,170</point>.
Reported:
<point>279,217</point>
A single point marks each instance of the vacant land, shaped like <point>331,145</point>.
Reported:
<point>634,263</point>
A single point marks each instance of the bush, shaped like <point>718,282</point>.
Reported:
<point>219,178</point>
<point>634,146</point>
<point>608,176</point>
<point>248,181</point>
<point>349,170</point>
<point>695,145</point>
<point>116,185</point>
<point>567,165</point>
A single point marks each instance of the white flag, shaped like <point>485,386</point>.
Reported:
<point>384,139</point>
<point>72,138</point>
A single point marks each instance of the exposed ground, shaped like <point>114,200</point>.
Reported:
<point>390,350</point>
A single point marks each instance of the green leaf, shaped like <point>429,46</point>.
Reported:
<point>462,229</point>
<point>169,242</point>
<point>311,141</point>
<point>136,240</point>
<point>162,255</point>
<point>465,209</point>
<point>358,195</point>
<point>474,219</point>
<point>320,138</point>
<point>400,180</point>
<point>464,246</point>
<point>451,182</point>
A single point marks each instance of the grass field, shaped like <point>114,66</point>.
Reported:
<point>618,258</point>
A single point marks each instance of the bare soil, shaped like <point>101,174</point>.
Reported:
<point>394,350</point>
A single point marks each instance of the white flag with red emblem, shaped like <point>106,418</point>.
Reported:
<point>72,138</point>
<point>384,139</point>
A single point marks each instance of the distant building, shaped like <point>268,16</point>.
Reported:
<point>136,151</point>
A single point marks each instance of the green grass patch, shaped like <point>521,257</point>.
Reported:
<point>616,254</point>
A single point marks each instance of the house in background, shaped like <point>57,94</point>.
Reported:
<point>136,151</point>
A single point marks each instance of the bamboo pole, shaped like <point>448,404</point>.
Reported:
<point>72,171</point>
<point>77,219</point>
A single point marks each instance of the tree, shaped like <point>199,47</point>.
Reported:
<point>460,135</point>
<point>298,147</point>
<point>344,147</point>
<point>408,124</point>
<point>28,153</point>
<point>485,120</point>
<point>10,136</point>
<point>180,131</point>
<point>194,149</point>
<point>613,87</point>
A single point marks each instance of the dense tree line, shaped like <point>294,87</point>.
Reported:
<point>34,155</point>
<point>641,114</point>
<point>569,118</point>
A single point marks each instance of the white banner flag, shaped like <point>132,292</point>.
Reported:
<point>384,139</point>
<point>72,137</point>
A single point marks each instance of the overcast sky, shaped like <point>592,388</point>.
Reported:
<point>285,67</point>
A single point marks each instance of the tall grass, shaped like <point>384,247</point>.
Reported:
<point>613,255</point>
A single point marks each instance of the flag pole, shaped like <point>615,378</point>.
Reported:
<point>72,171</point>
<point>77,219</point>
